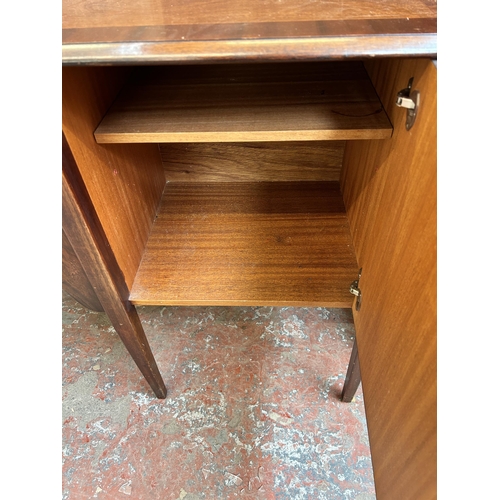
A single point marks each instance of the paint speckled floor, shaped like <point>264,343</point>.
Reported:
<point>253,408</point>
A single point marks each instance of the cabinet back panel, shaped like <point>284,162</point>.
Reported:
<point>124,181</point>
<point>260,161</point>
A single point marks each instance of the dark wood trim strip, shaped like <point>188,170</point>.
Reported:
<point>248,31</point>
<point>85,233</point>
<point>269,50</point>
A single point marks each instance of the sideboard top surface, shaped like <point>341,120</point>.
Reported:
<point>178,31</point>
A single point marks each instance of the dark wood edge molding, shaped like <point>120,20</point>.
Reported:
<point>262,50</point>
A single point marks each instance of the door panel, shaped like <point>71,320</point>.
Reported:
<point>389,191</point>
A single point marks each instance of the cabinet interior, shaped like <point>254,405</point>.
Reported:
<point>232,172</point>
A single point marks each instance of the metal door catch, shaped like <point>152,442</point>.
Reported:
<point>354,289</point>
<point>410,100</point>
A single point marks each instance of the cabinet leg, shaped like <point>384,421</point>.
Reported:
<point>127,324</point>
<point>353,376</point>
<point>90,244</point>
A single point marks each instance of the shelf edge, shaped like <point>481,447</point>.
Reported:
<point>244,136</point>
<point>241,303</point>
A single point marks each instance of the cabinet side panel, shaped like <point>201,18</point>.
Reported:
<point>125,182</point>
<point>389,190</point>
<point>74,279</point>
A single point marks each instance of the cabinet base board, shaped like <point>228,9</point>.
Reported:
<point>255,243</point>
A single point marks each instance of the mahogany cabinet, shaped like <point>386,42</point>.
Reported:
<point>258,156</point>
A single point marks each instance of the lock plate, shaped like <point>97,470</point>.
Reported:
<point>354,289</point>
<point>409,99</point>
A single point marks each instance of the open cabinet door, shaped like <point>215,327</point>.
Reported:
<point>389,190</point>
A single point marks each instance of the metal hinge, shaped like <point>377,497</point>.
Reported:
<point>354,289</point>
<point>410,100</point>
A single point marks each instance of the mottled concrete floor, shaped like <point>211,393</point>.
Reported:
<point>253,408</point>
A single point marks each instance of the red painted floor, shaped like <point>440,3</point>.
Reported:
<point>253,408</point>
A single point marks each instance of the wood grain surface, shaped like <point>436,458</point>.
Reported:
<point>88,240</point>
<point>74,279</point>
<point>318,48</point>
<point>260,243</point>
<point>242,103</point>
<point>270,30</point>
<point>259,161</point>
<point>110,13</point>
<point>153,31</point>
<point>390,194</point>
<point>124,182</point>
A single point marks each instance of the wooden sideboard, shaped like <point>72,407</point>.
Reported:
<point>255,155</point>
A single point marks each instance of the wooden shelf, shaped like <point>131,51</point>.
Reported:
<point>242,103</point>
<point>248,243</point>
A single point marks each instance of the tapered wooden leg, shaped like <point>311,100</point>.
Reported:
<point>353,376</point>
<point>85,233</point>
